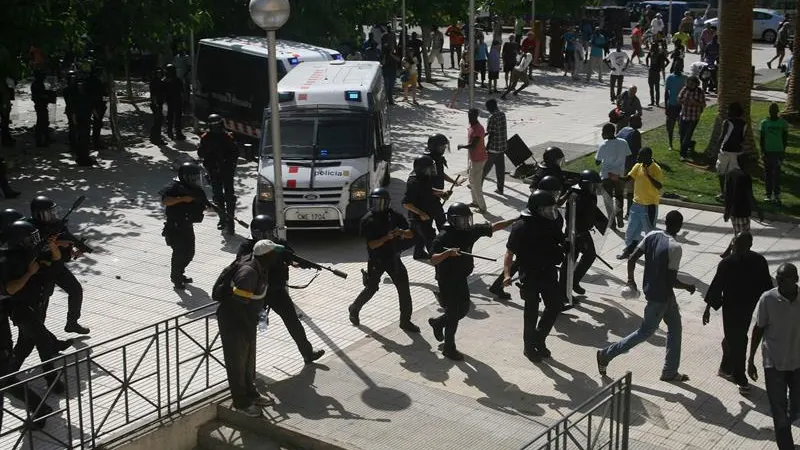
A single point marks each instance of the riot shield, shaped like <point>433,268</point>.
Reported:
<point>570,272</point>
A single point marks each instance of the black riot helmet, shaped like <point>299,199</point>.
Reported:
<point>459,216</point>
<point>7,217</point>
<point>589,180</point>
<point>424,166</point>
<point>379,200</point>
<point>215,124</point>
<point>438,144</point>
<point>262,227</point>
<point>553,156</point>
<point>22,234</point>
<point>170,70</point>
<point>551,184</point>
<point>542,203</point>
<point>190,173</point>
<point>44,209</point>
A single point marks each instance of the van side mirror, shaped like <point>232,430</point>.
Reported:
<point>385,152</point>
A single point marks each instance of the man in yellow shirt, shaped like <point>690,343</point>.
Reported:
<point>648,180</point>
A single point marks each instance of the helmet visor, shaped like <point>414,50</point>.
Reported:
<point>461,222</point>
<point>194,179</point>
<point>259,234</point>
<point>378,204</point>
<point>48,215</point>
<point>548,212</point>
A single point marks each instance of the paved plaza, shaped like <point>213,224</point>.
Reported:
<point>495,398</point>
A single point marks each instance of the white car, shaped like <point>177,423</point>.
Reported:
<point>765,24</point>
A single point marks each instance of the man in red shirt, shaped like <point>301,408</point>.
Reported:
<point>477,159</point>
<point>456,43</point>
<point>528,45</point>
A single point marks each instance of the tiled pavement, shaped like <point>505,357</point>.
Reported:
<point>122,219</point>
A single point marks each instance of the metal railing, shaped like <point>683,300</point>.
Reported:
<point>601,422</point>
<point>116,387</point>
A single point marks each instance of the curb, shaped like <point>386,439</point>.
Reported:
<point>721,209</point>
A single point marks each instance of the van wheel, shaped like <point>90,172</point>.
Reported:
<point>387,178</point>
<point>770,36</point>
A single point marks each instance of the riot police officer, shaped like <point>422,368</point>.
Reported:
<point>452,270</point>
<point>158,96</point>
<point>96,91</point>
<point>44,216</point>
<point>585,220</point>
<point>7,217</point>
<point>422,201</point>
<point>538,243</point>
<point>185,201</point>
<point>383,228</point>
<point>219,154</point>
<point>550,165</point>
<point>174,97</point>
<point>41,99</point>
<point>262,227</point>
<point>438,144</point>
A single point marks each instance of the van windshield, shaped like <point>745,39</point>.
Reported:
<point>336,138</point>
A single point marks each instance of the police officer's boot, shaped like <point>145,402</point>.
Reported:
<point>408,325</point>
<point>451,352</point>
<point>353,311</point>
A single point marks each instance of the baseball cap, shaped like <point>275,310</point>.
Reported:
<point>266,246</point>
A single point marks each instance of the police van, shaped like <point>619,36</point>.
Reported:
<point>335,144</point>
<point>231,78</point>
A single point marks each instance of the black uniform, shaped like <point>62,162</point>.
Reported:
<point>537,243</point>
<point>438,183</point>
<point>238,323</point>
<point>96,92</point>
<point>174,96</point>
<point>220,153</point>
<point>158,96</point>
<point>585,252</point>
<point>278,298</point>
<point>384,259</point>
<point>41,99</point>
<point>179,227</point>
<point>451,275</point>
<point>543,171</point>
<point>60,273</point>
<point>419,192</point>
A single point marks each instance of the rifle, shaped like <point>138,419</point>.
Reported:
<point>66,235</point>
<point>225,215</point>
<point>306,264</point>
<point>474,255</point>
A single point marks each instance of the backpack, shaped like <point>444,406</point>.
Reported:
<point>222,290</point>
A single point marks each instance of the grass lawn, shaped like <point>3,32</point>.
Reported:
<point>774,85</point>
<point>700,185</point>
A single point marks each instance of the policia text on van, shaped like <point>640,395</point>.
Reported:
<point>335,143</point>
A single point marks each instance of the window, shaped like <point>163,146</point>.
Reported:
<point>336,138</point>
<point>761,16</point>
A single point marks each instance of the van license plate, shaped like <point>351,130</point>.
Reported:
<point>311,215</point>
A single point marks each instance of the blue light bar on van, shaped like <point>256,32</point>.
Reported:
<point>294,61</point>
<point>337,56</point>
<point>285,96</point>
<point>352,96</point>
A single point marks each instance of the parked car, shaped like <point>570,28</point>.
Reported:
<point>765,24</point>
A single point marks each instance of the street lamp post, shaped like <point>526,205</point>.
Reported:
<point>270,15</point>
<point>471,53</point>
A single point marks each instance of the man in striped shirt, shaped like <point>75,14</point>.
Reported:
<point>693,102</point>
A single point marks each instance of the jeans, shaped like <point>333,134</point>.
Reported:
<point>784,411</point>
<point>654,82</point>
<point>476,183</point>
<point>498,160</point>
<point>772,173</point>
<point>615,189</point>
<point>616,80</point>
<point>390,78</point>
<point>595,62</point>
<point>642,219</point>
<point>654,313</point>
<point>673,116</point>
<point>686,130</point>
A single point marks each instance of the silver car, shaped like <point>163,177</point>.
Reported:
<point>765,24</point>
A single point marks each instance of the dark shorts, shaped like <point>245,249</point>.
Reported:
<point>673,112</point>
<point>509,64</point>
<point>494,75</point>
<point>780,48</point>
<point>480,66</point>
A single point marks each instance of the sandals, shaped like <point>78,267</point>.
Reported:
<point>677,378</point>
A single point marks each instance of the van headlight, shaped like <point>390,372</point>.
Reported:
<point>358,190</point>
<point>266,191</point>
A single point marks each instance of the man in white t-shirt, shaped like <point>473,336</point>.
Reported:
<point>617,61</point>
<point>520,73</point>
<point>657,27</point>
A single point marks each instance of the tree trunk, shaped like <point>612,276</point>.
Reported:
<point>127,67</point>
<point>426,43</point>
<point>735,74</point>
<point>113,110</point>
<point>792,110</point>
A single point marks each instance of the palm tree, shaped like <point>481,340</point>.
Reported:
<point>792,109</point>
<point>735,66</point>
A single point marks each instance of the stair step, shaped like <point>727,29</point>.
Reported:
<point>216,435</point>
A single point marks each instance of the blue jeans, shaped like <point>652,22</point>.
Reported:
<point>654,313</point>
<point>784,411</point>
<point>686,131</point>
<point>389,79</point>
<point>638,222</point>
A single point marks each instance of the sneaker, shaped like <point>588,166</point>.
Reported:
<point>620,222</point>
<point>602,364</point>
<point>187,280</point>
<point>260,400</point>
<point>409,326</point>
<point>532,355</point>
<point>315,355</point>
<point>725,375</point>
<point>75,327</point>
<point>438,332</point>
<point>498,292</point>
<point>744,389</point>
<point>453,353</point>
<point>683,159</point>
<point>250,411</point>
<point>769,65</point>
<point>543,351</point>
<point>353,316</point>
<point>677,378</point>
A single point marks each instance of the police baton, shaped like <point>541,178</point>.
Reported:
<point>78,201</point>
<point>486,258</point>
<point>599,258</point>
<point>452,186</point>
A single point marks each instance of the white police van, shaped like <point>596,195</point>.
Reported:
<point>335,144</point>
<point>231,78</point>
